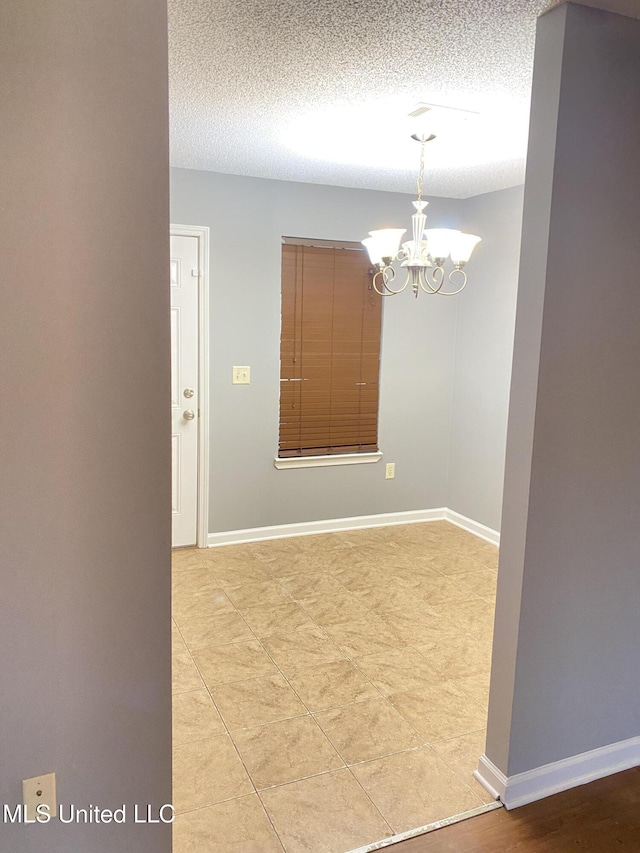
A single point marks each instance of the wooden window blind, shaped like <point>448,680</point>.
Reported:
<point>329,352</point>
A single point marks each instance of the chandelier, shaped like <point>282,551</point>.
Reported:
<point>425,256</point>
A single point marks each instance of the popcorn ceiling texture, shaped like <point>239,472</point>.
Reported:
<point>240,72</point>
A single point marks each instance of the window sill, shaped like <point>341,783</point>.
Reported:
<point>325,461</point>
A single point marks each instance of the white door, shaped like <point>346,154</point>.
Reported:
<point>184,388</point>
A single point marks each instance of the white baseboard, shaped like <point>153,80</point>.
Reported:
<point>333,525</point>
<point>471,526</point>
<point>491,778</point>
<point>329,525</point>
<point>550,779</point>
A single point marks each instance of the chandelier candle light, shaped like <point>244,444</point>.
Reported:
<point>425,255</point>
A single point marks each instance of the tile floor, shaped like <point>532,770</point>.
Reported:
<point>329,691</point>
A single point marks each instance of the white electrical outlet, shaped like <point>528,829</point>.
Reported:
<point>39,797</point>
<point>390,471</point>
<point>241,376</point>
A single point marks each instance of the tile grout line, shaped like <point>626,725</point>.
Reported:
<point>373,803</point>
<point>237,751</point>
<point>255,787</point>
<point>270,819</point>
<point>228,733</point>
<point>224,722</point>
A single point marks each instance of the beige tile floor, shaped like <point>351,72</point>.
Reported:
<point>329,691</point>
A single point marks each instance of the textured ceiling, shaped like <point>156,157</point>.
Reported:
<point>318,90</point>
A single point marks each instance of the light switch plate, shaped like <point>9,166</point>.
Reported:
<point>40,791</point>
<point>241,375</point>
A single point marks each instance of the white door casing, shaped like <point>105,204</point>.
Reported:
<point>185,390</point>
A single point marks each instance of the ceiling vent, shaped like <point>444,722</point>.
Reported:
<point>419,110</point>
<point>439,111</point>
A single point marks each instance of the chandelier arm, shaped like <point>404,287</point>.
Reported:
<point>450,277</point>
<point>390,290</point>
<point>386,275</point>
<point>389,275</point>
<point>380,274</point>
<point>435,288</point>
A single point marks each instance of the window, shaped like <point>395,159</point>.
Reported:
<point>329,350</point>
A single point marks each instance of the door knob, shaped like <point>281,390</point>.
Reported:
<point>188,414</point>
<point>188,392</point>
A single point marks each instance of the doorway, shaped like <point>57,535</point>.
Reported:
<point>189,393</point>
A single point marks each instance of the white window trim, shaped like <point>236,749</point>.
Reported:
<point>325,461</point>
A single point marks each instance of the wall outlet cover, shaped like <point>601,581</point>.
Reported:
<point>40,791</point>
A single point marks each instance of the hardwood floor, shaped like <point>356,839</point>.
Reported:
<point>601,817</point>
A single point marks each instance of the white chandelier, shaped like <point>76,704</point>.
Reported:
<point>425,256</point>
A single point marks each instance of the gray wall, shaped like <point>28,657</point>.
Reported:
<point>84,449</point>
<point>567,644</point>
<point>247,217</point>
<point>484,348</point>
